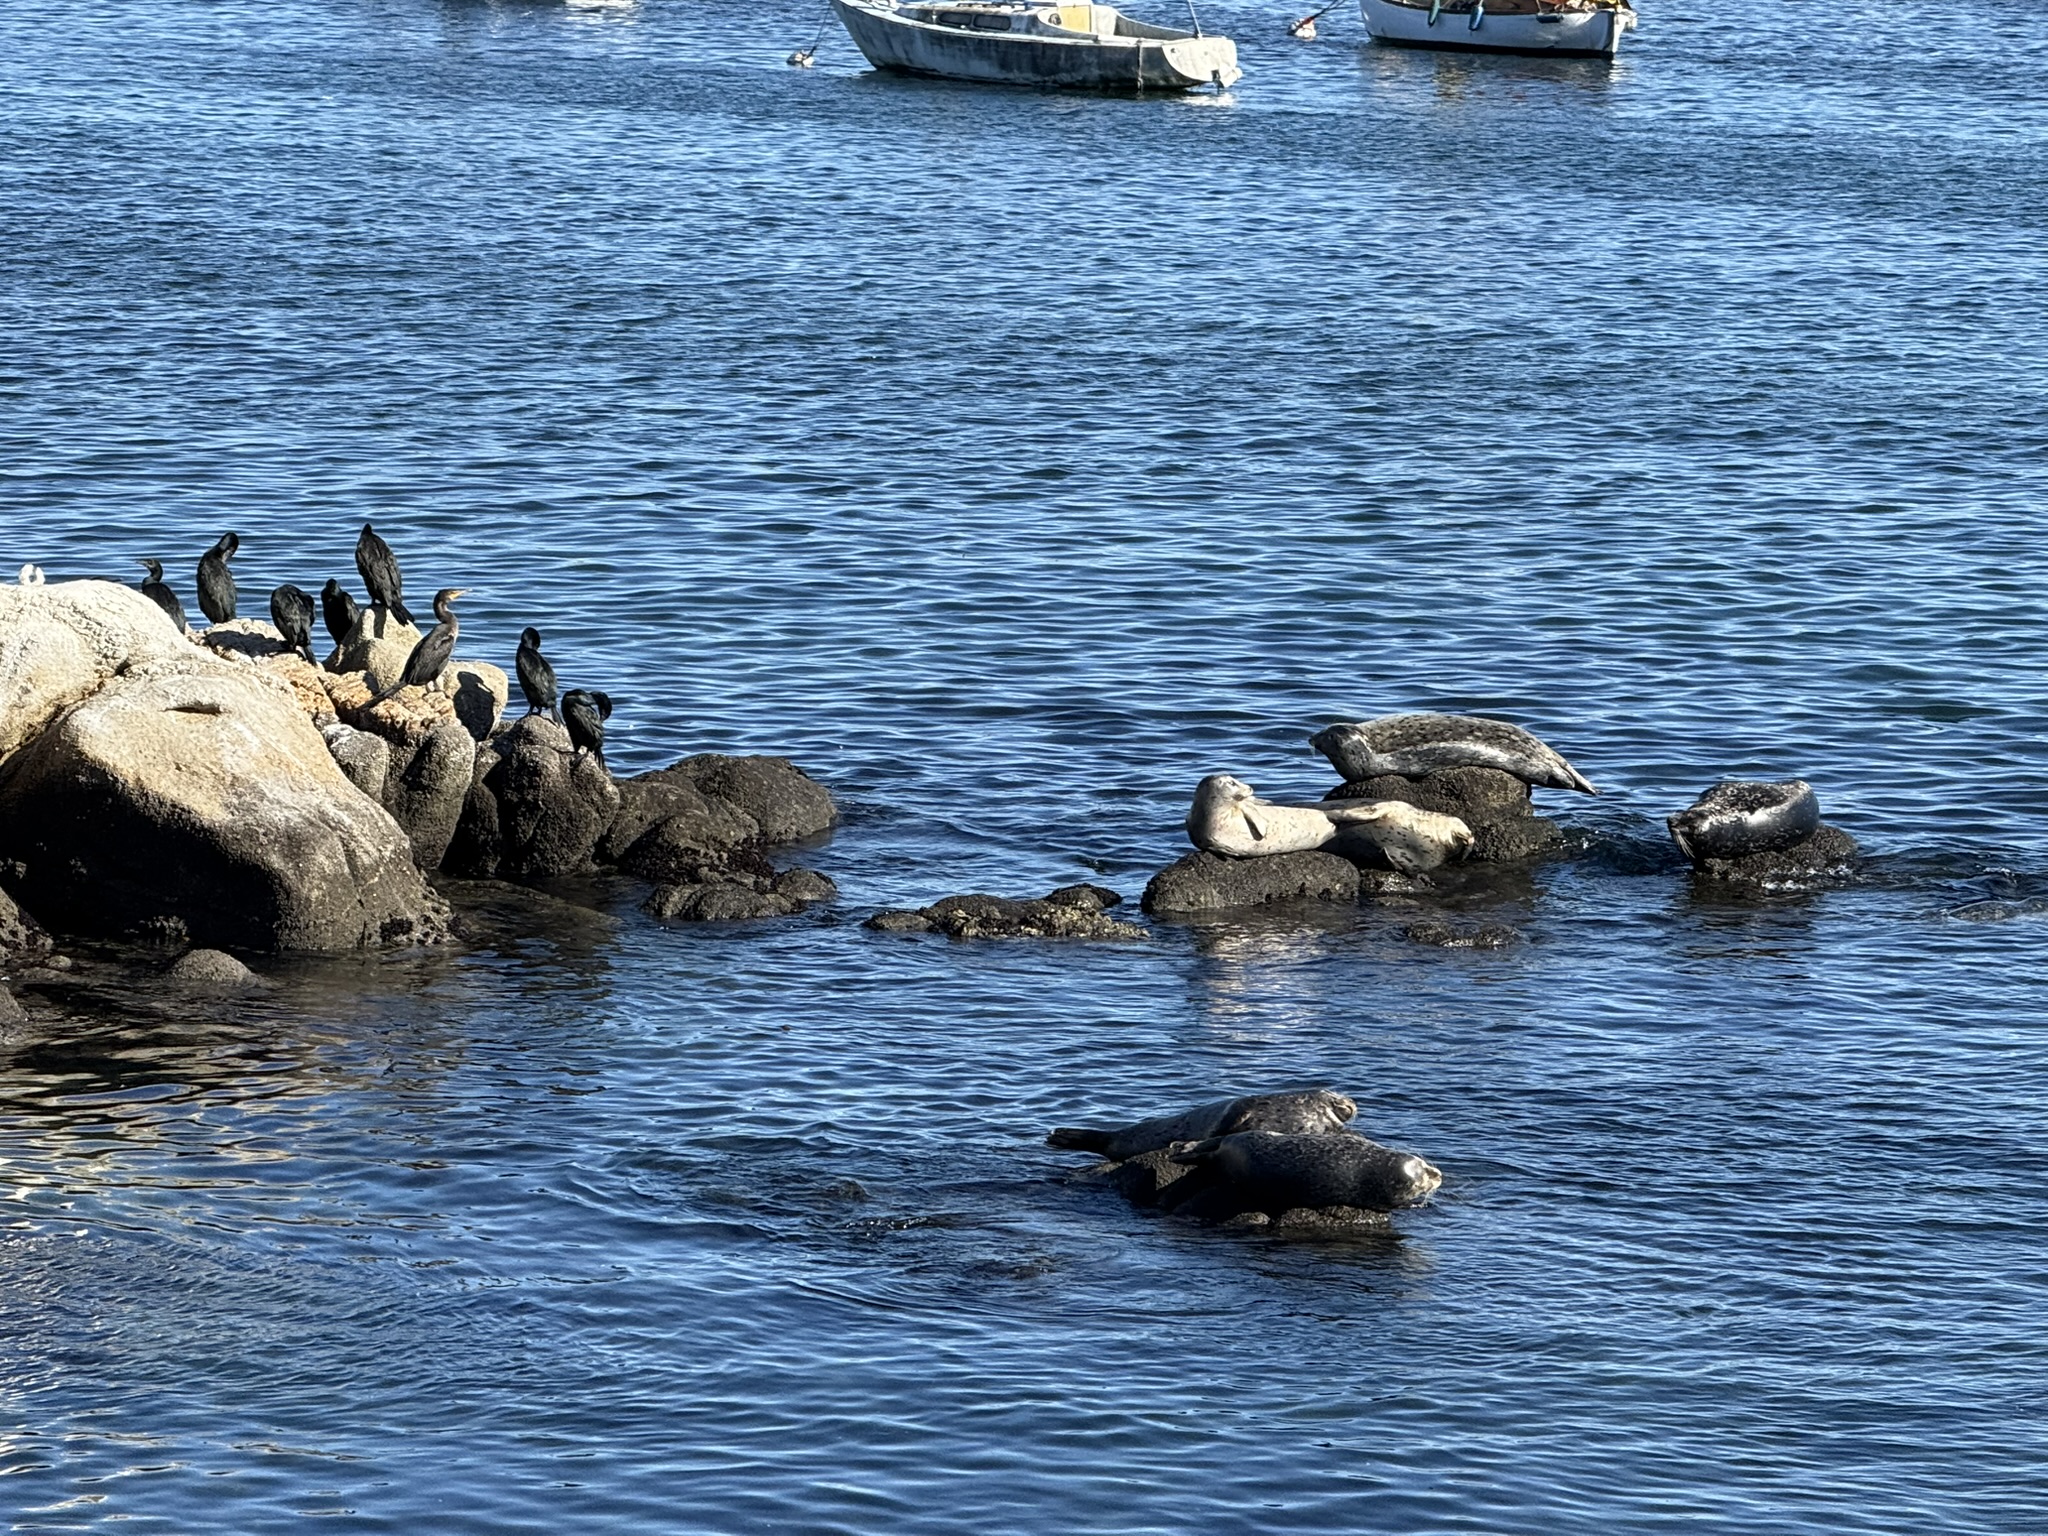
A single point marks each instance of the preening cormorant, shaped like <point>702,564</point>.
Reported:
<point>429,659</point>
<point>339,610</point>
<point>216,581</point>
<point>291,610</point>
<point>536,676</point>
<point>584,712</point>
<point>159,592</point>
<point>380,574</point>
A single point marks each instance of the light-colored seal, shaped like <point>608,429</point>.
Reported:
<point>1411,839</point>
<point>1317,1109</point>
<point>1262,1171</point>
<point>1739,817</point>
<point>1413,745</point>
<point>1229,817</point>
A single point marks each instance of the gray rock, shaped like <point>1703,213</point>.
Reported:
<point>1090,898</point>
<point>701,825</point>
<point>211,970</point>
<point>363,757</point>
<point>206,798</point>
<point>898,920</point>
<point>536,807</point>
<point>1208,882</point>
<point>426,788</point>
<point>478,691</point>
<point>378,645</point>
<point>10,1010</point>
<point>981,916</point>
<point>1443,936</point>
<point>786,803</point>
<point>696,844</point>
<point>1475,796</point>
<point>60,644</point>
<point>721,902</point>
<point>1830,853</point>
<point>21,936</point>
<point>1141,1179</point>
<point>804,885</point>
<point>1327,1220</point>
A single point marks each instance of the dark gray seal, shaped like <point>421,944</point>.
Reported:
<point>1261,1171</point>
<point>1317,1109</point>
<point>1413,745</point>
<point>1739,817</point>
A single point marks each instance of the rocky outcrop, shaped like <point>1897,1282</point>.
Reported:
<point>477,692</point>
<point>1210,882</point>
<point>10,1010</point>
<point>1495,805</point>
<point>61,644</point>
<point>378,645</point>
<point>257,644</point>
<point>426,788</point>
<point>731,896</point>
<point>202,800</point>
<point>21,936</point>
<point>1071,912</point>
<point>1829,854</point>
<point>536,807</point>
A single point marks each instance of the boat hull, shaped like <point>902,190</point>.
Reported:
<point>910,47</point>
<point>1568,34</point>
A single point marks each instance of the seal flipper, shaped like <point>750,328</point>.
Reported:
<point>1252,821</point>
<point>1080,1139</point>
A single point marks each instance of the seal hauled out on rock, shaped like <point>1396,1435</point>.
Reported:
<point>1413,745</point>
<point>1409,838</point>
<point>1740,817</point>
<point>1317,1109</point>
<point>1229,817</point>
<point>1272,1173</point>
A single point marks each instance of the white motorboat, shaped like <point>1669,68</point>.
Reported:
<point>1572,28</point>
<point>1092,46</point>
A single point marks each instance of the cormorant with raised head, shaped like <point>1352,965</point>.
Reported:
<point>159,592</point>
<point>291,610</point>
<point>429,659</point>
<point>380,574</point>
<point>536,676</point>
<point>584,712</point>
<point>216,581</point>
<point>339,610</point>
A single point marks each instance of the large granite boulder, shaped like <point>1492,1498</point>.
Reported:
<point>378,645</point>
<point>427,786</point>
<point>60,644</point>
<point>668,829</point>
<point>257,644</point>
<point>786,803</point>
<point>1209,882</point>
<point>536,808</point>
<point>202,800</point>
<point>477,691</point>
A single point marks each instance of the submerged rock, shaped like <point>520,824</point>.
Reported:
<point>211,970</point>
<point>1209,882</point>
<point>731,895</point>
<point>1443,936</point>
<point>1003,917</point>
<point>209,800</point>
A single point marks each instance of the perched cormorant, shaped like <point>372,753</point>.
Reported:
<point>380,574</point>
<point>157,592</point>
<point>339,610</point>
<point>584,712</point>
<point>291,610</point>
<point>429,659</point>
<point>216,581</point>
<point>536,677</point>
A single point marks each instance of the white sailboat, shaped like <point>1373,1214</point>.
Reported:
<point>1091,46</point>
<point>1572,28</point>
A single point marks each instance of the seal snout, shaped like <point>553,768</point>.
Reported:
<point>1420,1178</point>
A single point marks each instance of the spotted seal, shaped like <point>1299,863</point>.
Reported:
<point>1272,1173</point>
<point>1409,838</point>
<point>1229,817</point>
<point>1413,745</point>
<point>1742,816</point>
<point>1317,1109</point>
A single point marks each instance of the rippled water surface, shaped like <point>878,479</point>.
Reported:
<point>1009,461</point>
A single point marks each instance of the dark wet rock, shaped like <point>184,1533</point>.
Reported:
<point>536,808</point>
<point>711,836</point>
<point>1829,853</point>
<point>1091,898</point>
<point>804,885</point>
<point>1504,842</point>
<point>1444,936</point>
<point>784,801</point>
<point>1475,796</point>
<point>1318,1221</point>
<point>980,916</point>
<point>1207,882</point>
<point>720,902</point>
<point>206,798</point>
<point>10,1010</point>
<point>211,970</point>
<point>21,936</point>
<point>426,786</point>
<point>1142,1178</point>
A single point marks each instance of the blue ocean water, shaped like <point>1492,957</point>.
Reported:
<point>1010,461</point>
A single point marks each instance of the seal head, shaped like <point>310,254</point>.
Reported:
<point>1738,817</point>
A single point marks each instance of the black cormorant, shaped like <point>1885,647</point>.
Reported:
<point>536,677</point>
<point>429,659</point>
<point>339,610</point>
<point>380,574</point>
<point>216,581</point>
<point>156,590</point>
<point>584,712</point>
<point>291,610</point>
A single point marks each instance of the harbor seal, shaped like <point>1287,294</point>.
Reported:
<point>1413,745</point>
<point>1317,1109</point>
<point>1271,1173</point>
<point>1229,817</point>
<point>1409,838</point>
<point>1739,817</point>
